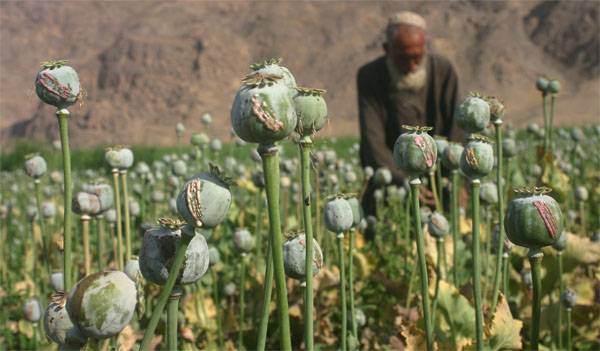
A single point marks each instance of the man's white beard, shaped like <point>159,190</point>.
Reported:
<point>411,81</point>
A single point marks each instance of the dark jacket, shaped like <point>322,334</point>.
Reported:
<point>383,111</point>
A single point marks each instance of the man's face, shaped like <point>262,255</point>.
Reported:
<point>407,48</point>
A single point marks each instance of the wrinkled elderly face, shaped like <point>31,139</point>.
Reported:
<point>407,48</point>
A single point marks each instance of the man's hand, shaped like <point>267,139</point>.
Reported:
<point>426,197</point>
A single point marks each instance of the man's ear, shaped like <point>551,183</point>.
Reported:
<point>385,47</point>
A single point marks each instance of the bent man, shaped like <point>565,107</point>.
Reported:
<point>408,85</point>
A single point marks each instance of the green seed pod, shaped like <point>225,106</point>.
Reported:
<point>57,281</point>
<point>157,196</point>
<point>229,289</point>
<point>104,192</point>
<point>497,108</point>
<point>273,67</point>
<point>577,134</point>
<point>142,168</point>
<point>488,193</point>
<point>357,214</point>
<point>561,243</point>
<point>57,84</point>
<point>216,144</point>
<point>581,193</point>
<point>568,298</point>
<point>542,84</point>
<point>415,151</point>
<point>508,245</point>
<point>477,158</point>
<point>553,86</point>
<point>338,215</point>
<point>243,240</point>
<point>425,214</point>
<point>132,269</point>
<point>158,251</point>
<point>382,177</point>
<point>102,304</point>
<point>58,325</point>
<point>263,111</point>
<point>205,200</point>
<point>214,256</point>
<point>48,209</point>
<point>134,208</point>
<point>35,166</point>
<point>179,129</point>
<point>294,257</point>
<point>311,109</point>
<point>179,168</point>
<point>84,203</point>
<point>441,143</point>
<point>199,139</point>
<point>111,216</point>
<point>119,157</point>
<point>206,119</point>
<point>533,219</point>
<point>32,310</point>
<point>473,115</point>
<point>509,148</point>
<point>451,156</point>
<point>438,225</point>
<point>31,212</point>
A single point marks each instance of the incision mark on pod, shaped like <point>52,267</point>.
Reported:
<point>426,149</point>
<point>547,217</point>
<point>259,110</point>
<point>192,198</point>
<point>52,84</point>
<point>471,158</point>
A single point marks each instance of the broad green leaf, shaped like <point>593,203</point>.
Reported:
<point>455,318</point>
<point>503,331</point>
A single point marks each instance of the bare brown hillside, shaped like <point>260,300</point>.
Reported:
<point>148,65</point>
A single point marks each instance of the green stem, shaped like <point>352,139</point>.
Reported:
<point>100,247</point>
<point>258,231</point>
<point>440,188</point>
<point>351,283</point>
<point>85,223</point>
<point>454,224</point>
<point>550,125</point>
<point>117,196</point>
<point>475,185</point>
<point>217,307</point>
<point>42,224</point>
<point>242,302</point>
<point>415,185</point>
<point>440,273</point>
<point>33,257</point>
<point>505,263</point>
<point>500,187</point>
<point>546,123</point>
<point>340,246</point>
<point>411,281</point>
<point>264,319</point>
<point>434,191</point>
<point>270,159</point>
<point>560,292</point>
<point>305,147</point>
<point>63,122</point>
<point>535,259</point>
<point>569,346</point>
<point>166,291</point>
<point>127,217</point>
<point>172,315</point>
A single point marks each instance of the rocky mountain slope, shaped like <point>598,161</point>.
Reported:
<point>147,65</point>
